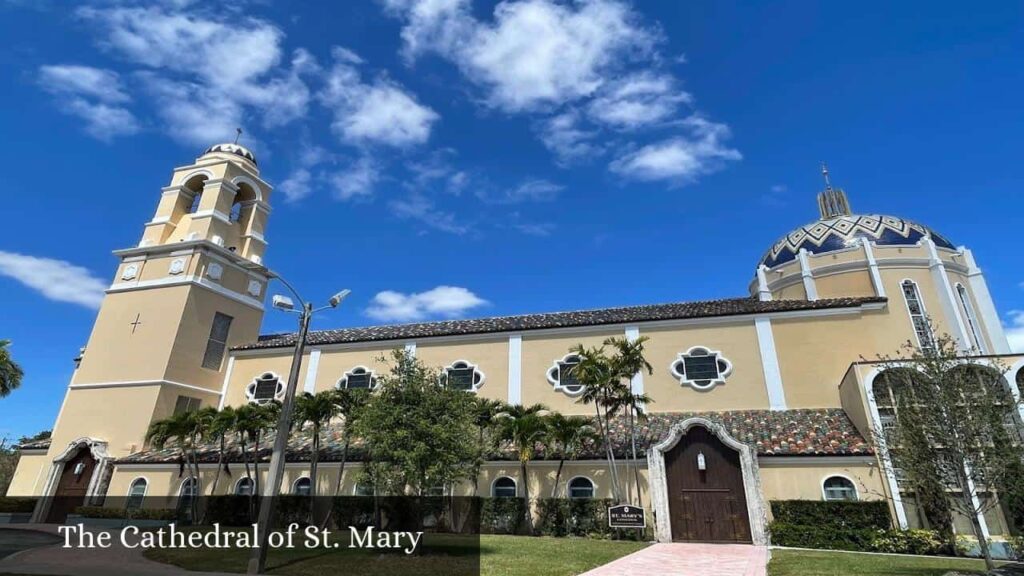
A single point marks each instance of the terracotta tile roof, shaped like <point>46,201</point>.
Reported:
<point>35,445</point>
<point>813,432</point>
<point>674,311</point>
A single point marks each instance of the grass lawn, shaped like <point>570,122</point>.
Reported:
<point>802,563</point>
<point>499,556</point>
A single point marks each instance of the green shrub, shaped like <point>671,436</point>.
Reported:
<point>836,514</point>
<point>1017,547</point>
<point>573,517</point>
<point>824,538</point>
<point>229,510</point>
<point>355,511</point>
<point>926,542</point>
<point>17,505</point>
<point>501,515</point>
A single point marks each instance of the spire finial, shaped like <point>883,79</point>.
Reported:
<point>238,134</point>
<point>832,202</point>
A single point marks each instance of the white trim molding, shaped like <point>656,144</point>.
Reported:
<point>770,364</point>
<point>131,383</point>
<point>946,297</point>
<point>636,383</point>
<point>311,370</point>
<point>227,380</point>
<point>97,483</point>
<point>827,477</point>
<point>987,308</point>
<point>479,378</point>
<point>757,510</point>
<point>553,372</point>
<point>515,369</point>
<point>250,388</point>
<point>763,293</point>
<point>807,275</point>
<point>876,276</point>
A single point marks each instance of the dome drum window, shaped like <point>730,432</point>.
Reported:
<point>462,375</point>
<point>701,368</point>
<point>561,375</point>
<point>266,388</point>
<point>359,377</point>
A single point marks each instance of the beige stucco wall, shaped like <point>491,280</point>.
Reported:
<point>30,475</point>
<point>490,356</point>
<point>540,353</point>
<point>335,362</point>
<point>245,369</point>
<point>803,481</point>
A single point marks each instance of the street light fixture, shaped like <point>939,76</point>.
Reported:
<point>258,557</point>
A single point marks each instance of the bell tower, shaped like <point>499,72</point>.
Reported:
<point>192,288</point>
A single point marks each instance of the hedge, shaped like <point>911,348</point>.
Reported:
<point>11,505</point>
<point>501,515</point>
<point>837,515</point>
<point>573,517</point>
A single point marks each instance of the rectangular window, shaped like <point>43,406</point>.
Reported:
<point>972,321</point>
<point>918,316</point>
<point>186,404</point>
<point>218,342</point>
<point>701,367</point>
<point>460,378</point>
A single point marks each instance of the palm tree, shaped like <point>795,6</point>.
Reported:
<point>250,423</point>
<point>221,424</point>
<point>595,372</point>
<point>486,411</point>
<point>568,433</point>
<point>627,362</point>
<point>180,428</point>
<point>523,427</point>
<point>318,410</point>
<point>10,372</point>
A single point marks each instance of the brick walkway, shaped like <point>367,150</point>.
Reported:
<point>689,560</point>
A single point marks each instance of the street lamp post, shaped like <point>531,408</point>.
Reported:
<point>258,557</point>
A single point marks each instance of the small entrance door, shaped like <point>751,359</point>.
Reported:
<point>72,486</point>
<point>707,502</point>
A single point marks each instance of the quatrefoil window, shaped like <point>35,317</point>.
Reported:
<point>701,368</point>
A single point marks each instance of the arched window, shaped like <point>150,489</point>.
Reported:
<point>972,320</point>
<point>562,375</point>
<point>302,487</point>
<point>187,492</point>
<point>244,486</point>
<point>1020,381</point>
<point>462,375</point>
<point>503,487</point>
<point>839,488</point>
<point>137,493</point>
<point>188,488</point>
<point>918,315</point>
<point>245,196</point>
<point>195,186</point>
<point>581,487</point>
<point>358,377</point>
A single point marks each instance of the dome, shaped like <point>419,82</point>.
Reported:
<point>235,149</point>
<point>843,231</point>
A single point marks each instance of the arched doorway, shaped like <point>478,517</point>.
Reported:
<point>705,486</point>
<point>73,485</point>
<point>705,490</point>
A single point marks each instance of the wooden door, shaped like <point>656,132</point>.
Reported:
<point>706,505</point>
<point>72,486</point>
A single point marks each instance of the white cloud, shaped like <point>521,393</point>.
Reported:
<point>443,301</point>
<point>535,53</point>
<point>1015,331</point>
<point>103,85</point>
<point>206,70</point>
<point>640,99</point>
<point>680,159</point>
<point>423,210</point>
<point>93,94</point>
<point>563,135</point>
<point>535,190</point>
<point>380,112</point>
<point>357,181</point>
<point>54,279</point>
<point>297,185</point>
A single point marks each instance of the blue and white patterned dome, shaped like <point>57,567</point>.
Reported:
<point>844,230</point>
<point>235,149</point>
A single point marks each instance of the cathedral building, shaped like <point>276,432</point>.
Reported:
<point>756,398</point>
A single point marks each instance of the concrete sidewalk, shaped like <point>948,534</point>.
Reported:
<point>55,560</point>
<point>689,560</point>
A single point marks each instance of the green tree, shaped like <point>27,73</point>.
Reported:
<point>955,417</point>
<point>485,411</point>
<point>252,422</point>
<point>626,362</point>
<point>418,433</point>
<point>568,434</point>
<point>523,427</point>
<point>10,372</point>
<point>350,404</point>
<point>183,430</point>
<point>600,385</point>
<point>220,425</point>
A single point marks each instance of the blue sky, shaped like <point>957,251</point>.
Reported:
<point>466,158</point>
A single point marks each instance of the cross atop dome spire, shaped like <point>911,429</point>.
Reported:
<point>832,202</point>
